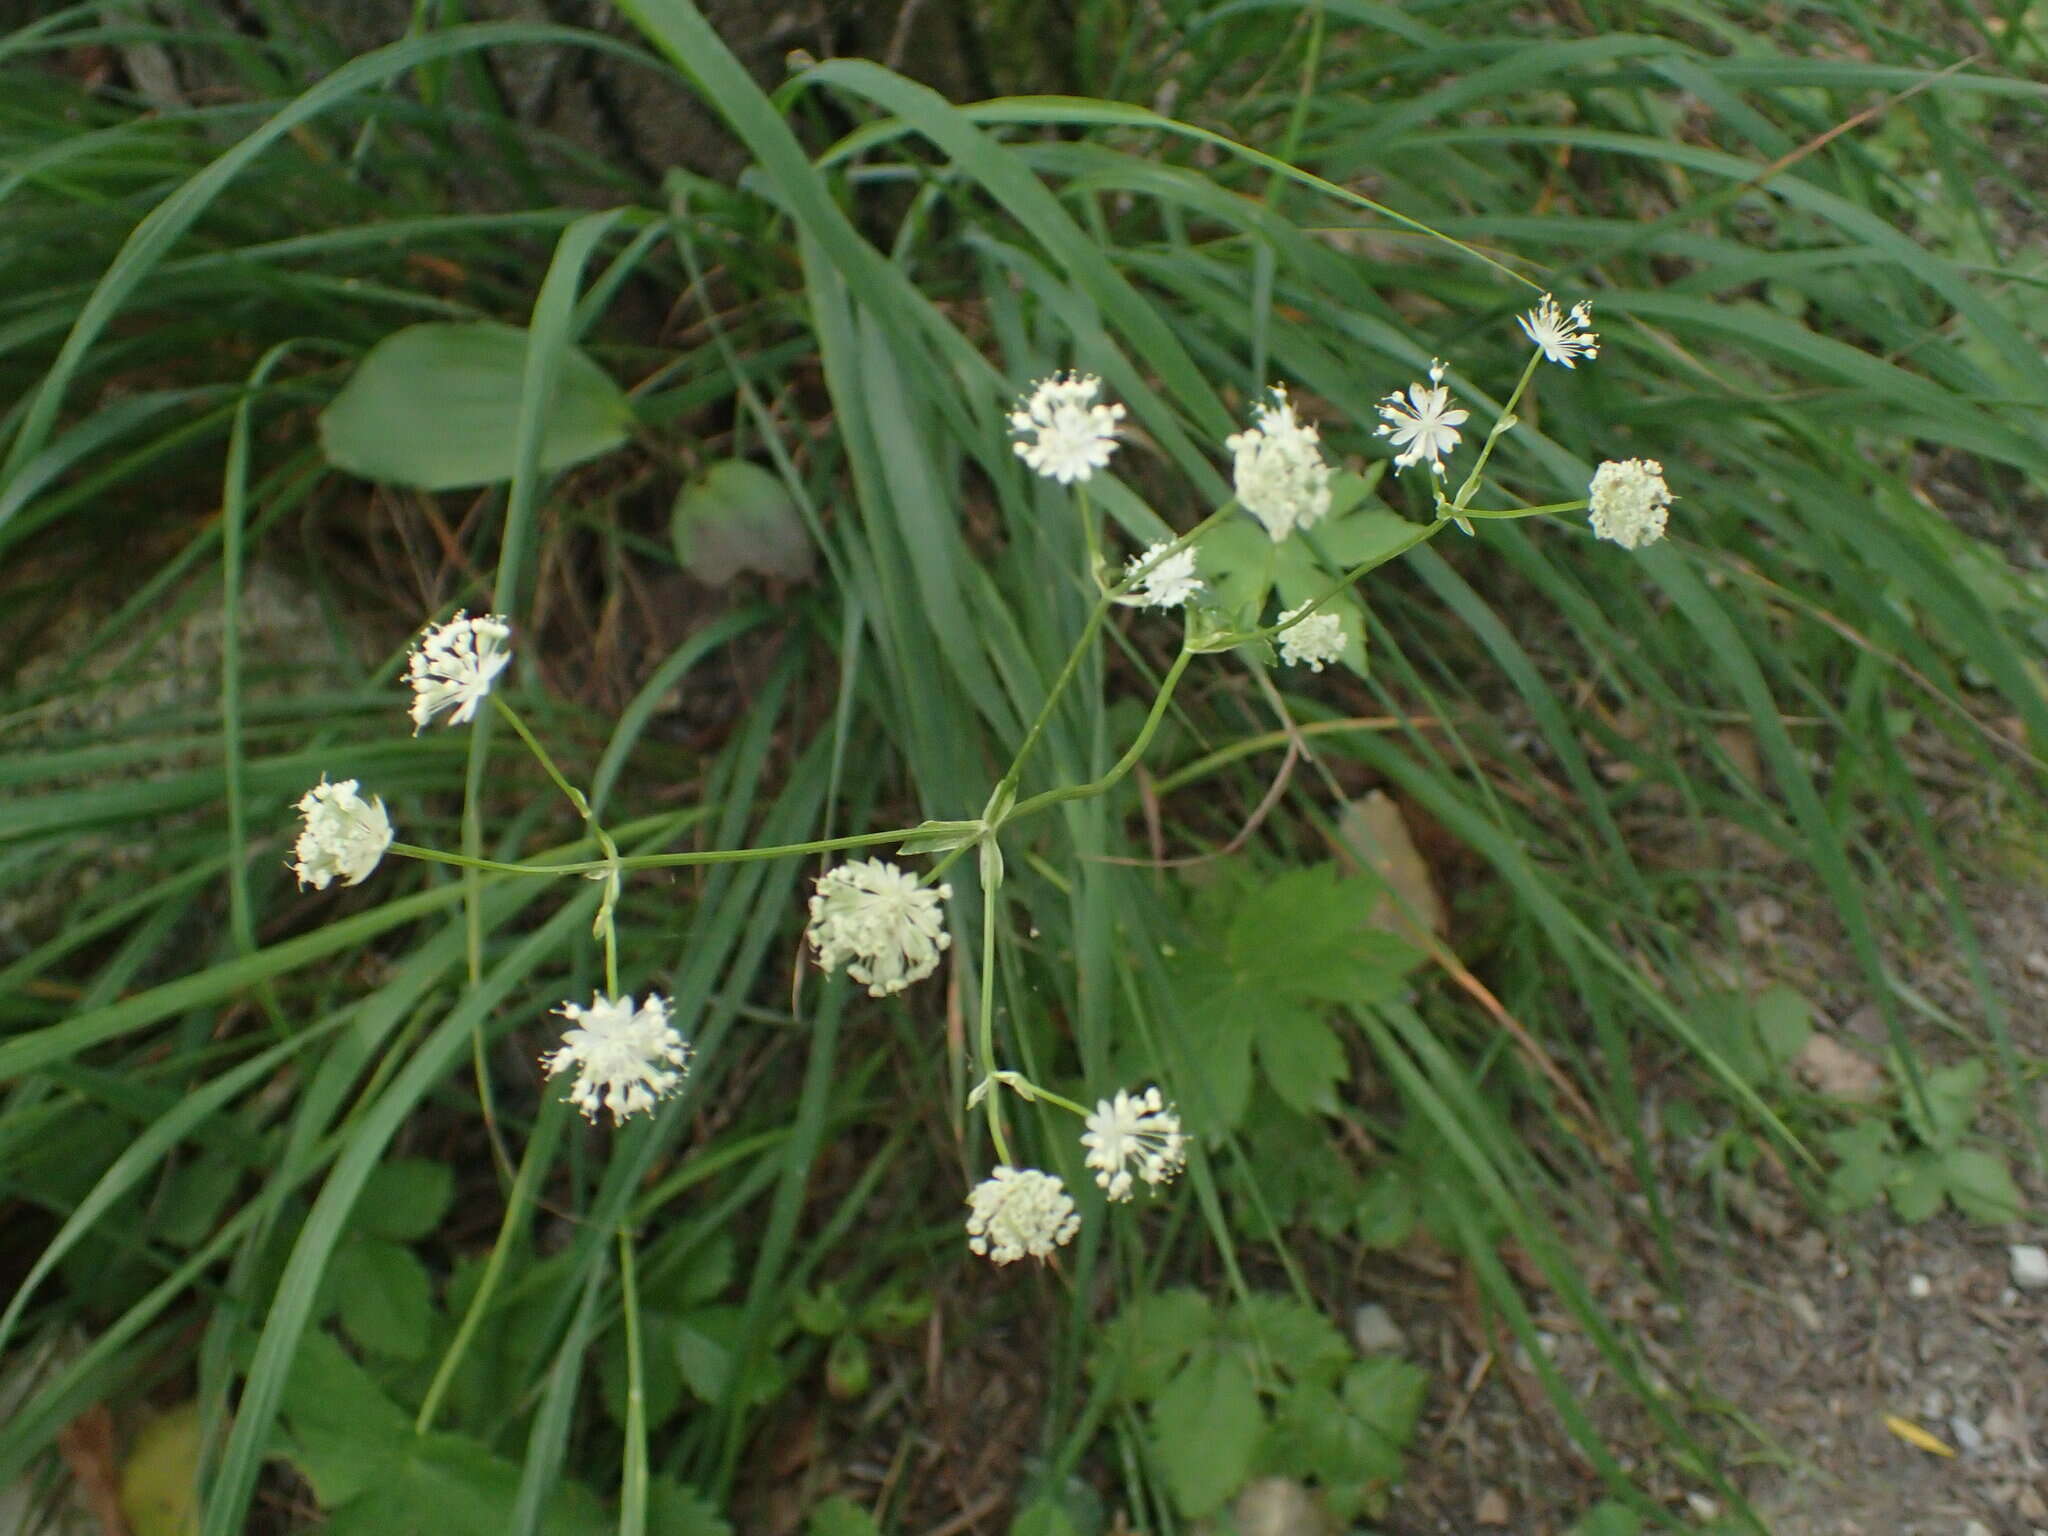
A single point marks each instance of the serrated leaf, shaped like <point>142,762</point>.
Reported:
<point>1315,1435</point>
<point>1783,1021</point>
<point>1206,1426</point>
<point>450,1485</point>
<point>1216,1030</point>
<point>1303,935</point>
<point>1235,559</point>
<point>738,517</point>
<point>1386,1394</point>
<point>1348,539</point>
<point>1302,1058</point>
<point>1304,1344</point>
<point>1916,1186</point>
<point>1388,1210</point>
<point>436,407</point>
<point>675,1509</point>
<point>386,1299</point>
<point>404,1199</point>
<point>1951,1106</point>
<point>1981,1184</point>
<point>1147,1341</point>
<point>698,1279</point>
<point>840,1516</point>
<point>340,1422</point>
<point>1865,1163</point>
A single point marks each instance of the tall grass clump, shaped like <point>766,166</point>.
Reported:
<point>1082,502</point>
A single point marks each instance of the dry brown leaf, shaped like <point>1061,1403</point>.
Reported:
<point>1492,1508</point>
<point>1376,836</point>
<point>87,1446</point>
<point>1830,1068</point>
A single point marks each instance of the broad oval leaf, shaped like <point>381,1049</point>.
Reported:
<point>739,517</point>
<point>436,407</point>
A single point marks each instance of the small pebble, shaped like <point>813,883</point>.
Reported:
<point>1969,1438</point>
<point>1919,1287</point>
<point>2029,1266</point>
<point>1704,1507</point>
<point>1375,1332</point>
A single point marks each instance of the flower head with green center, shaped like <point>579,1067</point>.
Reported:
<point>454,665</point>
<point>626,1059</point>
<point>1279,473</point>
<point>1313,641</point>
<point>1423,425</point>
<point>1627,502</point>
<point>1016,1212</point>
<point>1560,337</point>
<point>344,835</point>
<point>1140,1129</point>
<point>1168,584</point>
<point>1062,433</point>
<point>887,927</point>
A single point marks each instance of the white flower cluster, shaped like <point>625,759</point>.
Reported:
<point>626,1059</point>
<point>344,835</point>
<point>1016,1212</point>
<point>887,927</point>
<point>454,665</point>
<point>1166,585</point>
<point>1314,641</point>
<point>1134,1129</point>
<point>1279,473</point>
<point>1628,500</point>
<point>1062,433</point>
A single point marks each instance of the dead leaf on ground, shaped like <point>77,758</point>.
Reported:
<point>1492,1508</point>
<point>1374,833</point>
<point>87,1446</point>
<point>1830,1068</point>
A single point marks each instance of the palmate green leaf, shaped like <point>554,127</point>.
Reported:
<point>676,1509</point>
<point>1301,1057</point>
<point>450,1485</point>
<point>1917,1185</point>
<point>1951,1102</point>
<point>436,407</point>
<point>1865,1158</point>
<point>1206,1426</point>
<point>1303,935</point>
<point>1294,1337</point>
<point>1979,1180</point>
<point>1147,1341</point>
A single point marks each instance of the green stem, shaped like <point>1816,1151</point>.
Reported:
<point>629,862</point>
<point>988,1018</point>
<point>633,1475</point>
<point>1501,424</point>
<point>540,1151</point>
<point>1123,764</point>
<point>1549,507</point>
<point>1422,534</point>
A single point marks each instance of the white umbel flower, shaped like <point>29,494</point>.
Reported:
<point>1279,474</point>
<point>454,665</point>
<point>1628,500</point>
<point>1562,338</point>
<point>1140,1129</point>
<point>625,1058</point>
<point>1168,584</point>
<point>344,835</point>
<point>888,928</point>
<point>1061,432</point>
<point>1019,1211</point>
<point>1423,425</point>
<point>1317,639</point>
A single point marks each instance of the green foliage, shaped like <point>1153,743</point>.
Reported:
<point>1926,1154</point>
<point>436,407</point>
<point>1259,978</point>
<point>1266,1388</point>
